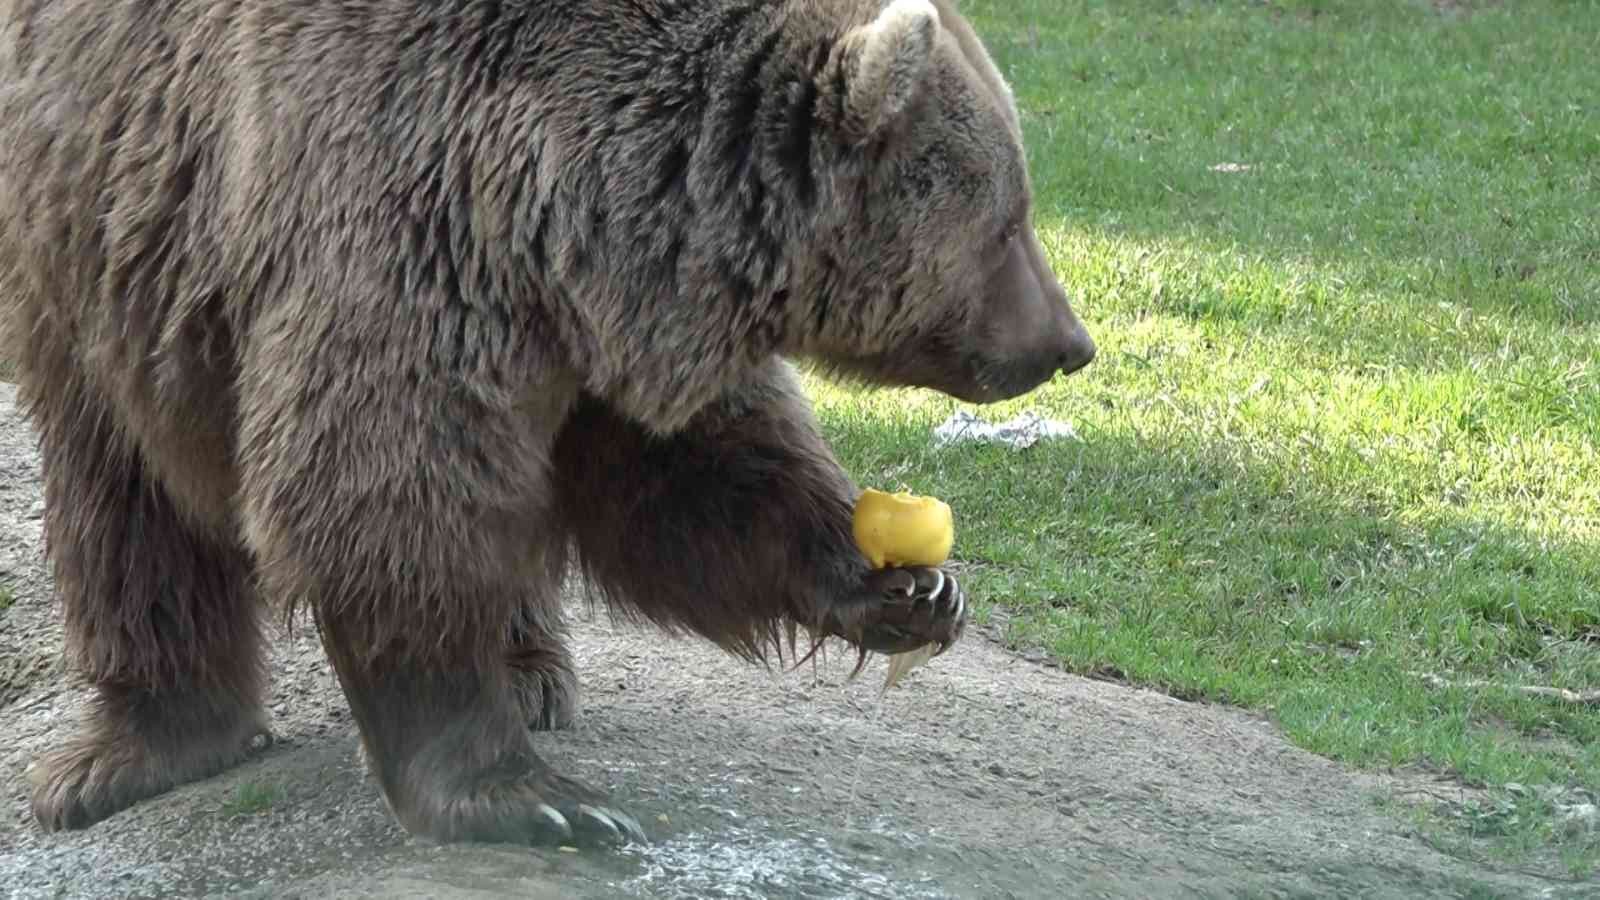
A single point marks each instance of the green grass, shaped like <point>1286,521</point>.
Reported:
<point>250,799</point>
<point>1342,429</point>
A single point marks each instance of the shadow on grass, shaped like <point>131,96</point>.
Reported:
<point>1191,566</point>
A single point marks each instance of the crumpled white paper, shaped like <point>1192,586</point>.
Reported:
<point>1019,432</point>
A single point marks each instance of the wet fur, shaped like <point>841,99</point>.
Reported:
<point>400,309</point>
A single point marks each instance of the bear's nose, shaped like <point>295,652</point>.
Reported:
<point>1079,352</point>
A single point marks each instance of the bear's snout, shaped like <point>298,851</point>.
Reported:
<point>1028,331</point>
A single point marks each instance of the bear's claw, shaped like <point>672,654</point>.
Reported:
<point>585,825</point>
<point>901,609</point>
<point>608,825</point>
<point>539,810</point>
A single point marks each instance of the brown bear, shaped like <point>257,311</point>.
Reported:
<point>393,309</point>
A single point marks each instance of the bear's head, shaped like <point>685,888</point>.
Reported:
<point>930,271</point>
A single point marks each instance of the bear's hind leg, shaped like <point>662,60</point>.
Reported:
<point>159,615</point>
<point>542,671</point>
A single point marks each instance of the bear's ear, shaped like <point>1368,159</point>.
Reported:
<point>890,61</point>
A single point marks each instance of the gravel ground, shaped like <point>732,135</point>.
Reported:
<point>983,775</point>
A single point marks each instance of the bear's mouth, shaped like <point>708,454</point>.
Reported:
<point>964,375</point>
<point>993,381</point>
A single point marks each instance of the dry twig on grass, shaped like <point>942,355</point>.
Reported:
<point>1581,698</point>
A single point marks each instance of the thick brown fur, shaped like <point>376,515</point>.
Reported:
<point>397,309</point>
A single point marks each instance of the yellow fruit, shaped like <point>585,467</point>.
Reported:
<point>903,529</point>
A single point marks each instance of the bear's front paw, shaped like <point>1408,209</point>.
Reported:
<point>568,812</point>
<point>900,609</point>
<point>536,807</point>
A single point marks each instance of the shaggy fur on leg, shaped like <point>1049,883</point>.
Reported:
<point>160,618</point>
<point>543,672</point>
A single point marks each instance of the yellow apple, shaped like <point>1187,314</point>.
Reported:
<point>903,529</point>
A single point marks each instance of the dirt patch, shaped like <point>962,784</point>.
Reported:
<point>19,671</point>
<point>985,775</point>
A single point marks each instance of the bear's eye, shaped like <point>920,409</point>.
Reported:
<point>1010,234</point>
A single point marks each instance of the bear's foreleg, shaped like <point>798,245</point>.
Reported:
<point>417,525</point>
<point>738,527</point>
<point>449,744</point>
